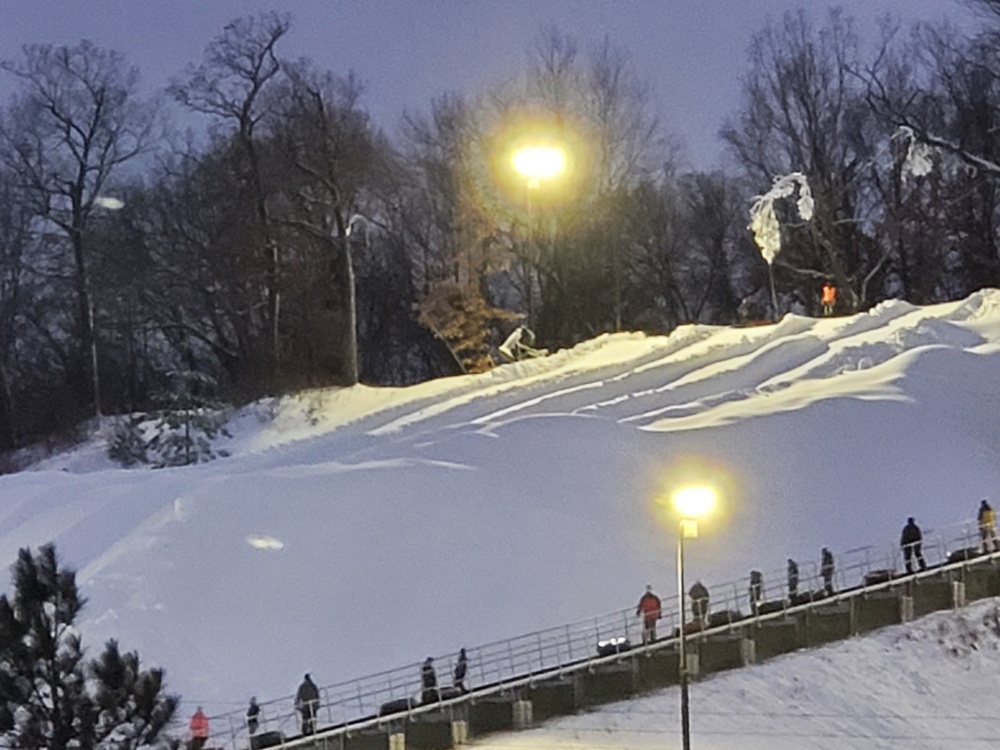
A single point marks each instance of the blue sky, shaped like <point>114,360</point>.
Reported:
<point>692,52</point>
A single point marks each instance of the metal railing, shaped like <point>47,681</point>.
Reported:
<point>511,664</point>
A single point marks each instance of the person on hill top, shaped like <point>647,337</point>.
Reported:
<point>307,701</point>
<point>826,570</point>
<point>461,667</point>
<point>253,716</point>
<point>699,603</point>
<point>911,540</point>
<point>828,298</point>
<point>428,679</point>
<point>649,610</point>
<point>199,729</point>
<point>987,527</point>
<point>793,579</point>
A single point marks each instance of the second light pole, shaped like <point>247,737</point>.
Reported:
<point>536,163</point>
<point>691,503</point>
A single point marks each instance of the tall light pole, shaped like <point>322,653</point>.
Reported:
<point>345,266</point>
<point>536,163</point>
<point>691,503</point>
<point>77,226</point>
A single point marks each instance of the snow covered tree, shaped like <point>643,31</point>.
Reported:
<point>184,432</point>
<point>50,697</point>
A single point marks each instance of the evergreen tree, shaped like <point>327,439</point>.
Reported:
<point>50,697</point>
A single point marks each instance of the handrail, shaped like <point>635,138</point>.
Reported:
<point>508,665</point>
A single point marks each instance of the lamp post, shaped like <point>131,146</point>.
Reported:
<point>76,228</point>
<point>691,503</point>
<point>345,268</point>
<point>536,163</point>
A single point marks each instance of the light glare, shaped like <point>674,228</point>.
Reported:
<point>695,501</point>
<point>258,541</point>
<point>540,162</point>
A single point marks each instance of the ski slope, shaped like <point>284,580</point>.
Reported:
<point>355,530</point>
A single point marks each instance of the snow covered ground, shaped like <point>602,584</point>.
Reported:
<point>928,685</point>
<point>363,529</point>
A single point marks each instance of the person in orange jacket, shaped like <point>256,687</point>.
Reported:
<point>828,298</point>
<point>199,729</point>
<point>650,610</point>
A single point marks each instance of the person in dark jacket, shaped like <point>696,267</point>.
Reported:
<point>307,701</point>
<point>461,667</point>
<point>649,610</point>
<point>253,716</point>
<point>911,541</point>
<point>428,679</point>
<point>756,590</point>
<point>793,579</point>
<point>699,603</point>
<point>826,570</point>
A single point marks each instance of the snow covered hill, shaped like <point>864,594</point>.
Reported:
<point>362,529</point>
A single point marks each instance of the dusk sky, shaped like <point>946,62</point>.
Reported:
<point>691,52</point>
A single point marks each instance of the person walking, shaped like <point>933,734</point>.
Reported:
<point>428,679</point>
<point>199,729</point>
<point>829,298</point>
<point>756,590</point>
<point>253,716</point>
<point>911,540</point>
<point>699,603</point>
<point>650,610</point>
<point>987,527</point>
<point>307,701</point>
<point>461,667</point>
<point>793,580</point>
<point>826,570</point>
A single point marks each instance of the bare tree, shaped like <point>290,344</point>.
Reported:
<point>232,84</point>
<point>804,111</point>
<point>74,121</point>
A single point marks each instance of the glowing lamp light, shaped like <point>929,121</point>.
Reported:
<point>109,203</point>
<point>258,541</point>
<point>540,162</point>
<point>694,502</point>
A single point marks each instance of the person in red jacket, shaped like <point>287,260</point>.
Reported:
<point>199,729</point>
<point>649,611</point>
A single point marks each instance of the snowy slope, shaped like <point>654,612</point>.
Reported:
<point>363,529</point>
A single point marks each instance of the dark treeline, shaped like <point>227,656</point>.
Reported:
<point>133,256</point>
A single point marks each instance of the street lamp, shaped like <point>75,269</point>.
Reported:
<point>691,503</point>
<point>536,163</point>
<point>345,268</point>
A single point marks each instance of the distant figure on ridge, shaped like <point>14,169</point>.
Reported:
<point>199,729</point>
<point>461,667</point>
<point>911,541</point>
<point>428,679</point>
<point>649,610</point>
<point>756,590</point>
<point>987,527</point>
<point>793,579</point>
<point>826,570</point>
<point>307,701</point>
<point>699,603</point>
<point>828,298</point>
<point>253,716</point>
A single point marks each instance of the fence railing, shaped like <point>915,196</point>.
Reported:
<point>504,665</point>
